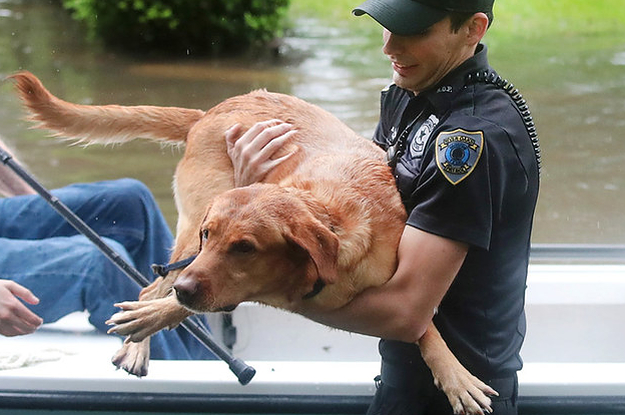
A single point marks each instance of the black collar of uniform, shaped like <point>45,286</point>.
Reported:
<point>442,95</point>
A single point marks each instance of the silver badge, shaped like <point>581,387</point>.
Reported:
<point>417,145</point>
<point>393,134</point>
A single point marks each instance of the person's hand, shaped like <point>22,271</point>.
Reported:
<point>15,318</point>
<point>10,183</point>
<point>252,153</point>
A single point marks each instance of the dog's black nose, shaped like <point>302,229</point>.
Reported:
<point>186,288</point>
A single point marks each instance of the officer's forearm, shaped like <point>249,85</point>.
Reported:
<point>383,312</point>
<point>403,307</point>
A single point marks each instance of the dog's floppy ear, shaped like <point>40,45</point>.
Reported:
<point>321,245</point>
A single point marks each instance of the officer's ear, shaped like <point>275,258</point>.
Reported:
<point>476,27</point>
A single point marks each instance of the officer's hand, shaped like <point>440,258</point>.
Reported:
<point>252,152</point>
<point>15,318</point>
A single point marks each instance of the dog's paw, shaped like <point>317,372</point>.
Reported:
<point>467,394</point>
<point>141,319</point>
<point>137,320</point>
<point>133,357</point>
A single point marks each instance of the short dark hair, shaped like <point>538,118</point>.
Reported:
<point>460,18</point>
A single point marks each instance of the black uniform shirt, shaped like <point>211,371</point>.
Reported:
<point>469,173</point>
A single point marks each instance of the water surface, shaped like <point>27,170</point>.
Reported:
<point>576,93</point>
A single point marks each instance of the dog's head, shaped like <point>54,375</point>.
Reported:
<point>259,243</point>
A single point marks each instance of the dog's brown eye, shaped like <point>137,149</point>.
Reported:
<point>242,247</point>
<point>204,235</point>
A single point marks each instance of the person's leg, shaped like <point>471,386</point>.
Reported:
<point>407,389</point>
<point>123,210</point>
<point>70,274</point>
<point>67,274</point>
<point>504,404</point>
<point>389,400</point>
<point>507,401</point>
<point>178,344</point>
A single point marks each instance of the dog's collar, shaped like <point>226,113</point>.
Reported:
<point>163,270</point>
<point>319,285</point>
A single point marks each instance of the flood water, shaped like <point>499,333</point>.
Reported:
<point>577,96</point>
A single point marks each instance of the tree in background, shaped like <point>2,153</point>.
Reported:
<point>196,27</point>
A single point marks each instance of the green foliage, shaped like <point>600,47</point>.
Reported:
<point>182,26</point>
<point>513,18</point>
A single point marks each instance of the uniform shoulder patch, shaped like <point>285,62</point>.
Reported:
<point>457,153</point>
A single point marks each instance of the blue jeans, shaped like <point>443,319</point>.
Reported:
<point>42,252</point>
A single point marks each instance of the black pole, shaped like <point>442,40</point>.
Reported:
<point>244,372</point>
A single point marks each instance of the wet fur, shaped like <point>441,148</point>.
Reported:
<point>331,213</point>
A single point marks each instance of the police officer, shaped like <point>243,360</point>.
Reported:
<point>465,156</point>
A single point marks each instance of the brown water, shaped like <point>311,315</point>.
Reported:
<point>577,96</point>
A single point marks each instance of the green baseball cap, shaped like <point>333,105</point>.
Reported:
<point>411,17</point>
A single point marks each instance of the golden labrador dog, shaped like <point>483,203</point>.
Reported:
<point>321,227</point>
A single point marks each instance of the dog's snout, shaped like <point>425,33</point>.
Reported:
<point>186,287</point>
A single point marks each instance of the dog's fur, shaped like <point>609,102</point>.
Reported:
<point>328,219</point>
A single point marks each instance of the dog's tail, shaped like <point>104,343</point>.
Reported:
<point>105,123</point>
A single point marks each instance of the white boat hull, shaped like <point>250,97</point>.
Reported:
<point>573,356</point>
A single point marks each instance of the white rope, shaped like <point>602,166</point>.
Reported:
<point>15,360</point>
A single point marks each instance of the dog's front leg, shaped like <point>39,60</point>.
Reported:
<point>466,393</point>
<point>133,357</point>
<point>140,319</point>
